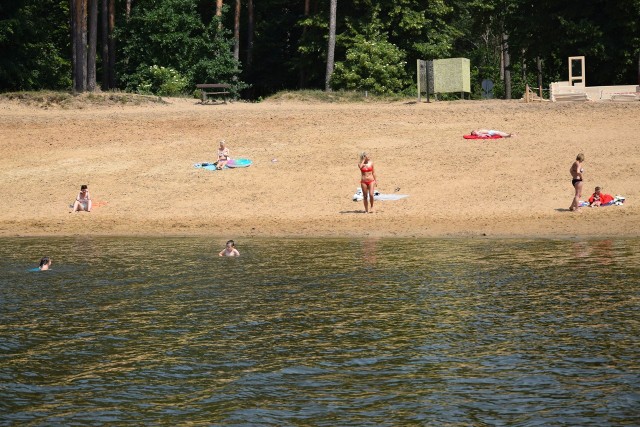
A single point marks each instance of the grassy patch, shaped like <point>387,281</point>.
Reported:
<point>47,99</point>
<point>333,97</point>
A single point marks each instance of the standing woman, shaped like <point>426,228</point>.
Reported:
<point>576,180</point>
<point>367,181</point>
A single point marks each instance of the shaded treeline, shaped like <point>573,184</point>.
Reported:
<point>270,45</point>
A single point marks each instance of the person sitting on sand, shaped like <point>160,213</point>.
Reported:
<point>368,181</point>
<point>490,132</point>
<point>576,171</point>
<point>83,201</point>
<point>230,249</point>
<point>45,263</point>
<point>223,155</point>
<point>598,198</point>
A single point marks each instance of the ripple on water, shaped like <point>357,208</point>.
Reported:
<point>320,332</point>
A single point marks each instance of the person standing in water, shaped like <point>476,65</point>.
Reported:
<point>367,181</point>
<point>576,171</point>
<point>45,263</point>
<point>230,249</point>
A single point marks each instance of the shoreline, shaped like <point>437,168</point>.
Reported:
<point>138,161</point>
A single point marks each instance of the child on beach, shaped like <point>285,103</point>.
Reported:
<point>599,199</point>
<point>45,263</point>
<point>230,249</point>
<point>83,201</point>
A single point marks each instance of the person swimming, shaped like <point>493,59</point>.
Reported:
<point>230,249</point>
<point>45,263</point>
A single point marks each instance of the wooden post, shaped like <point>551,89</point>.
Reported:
<point>427,79</point>
<point>418,80</point>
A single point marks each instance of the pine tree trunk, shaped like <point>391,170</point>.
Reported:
<point>236,32</point>
<point>79,42</point>
<point>219,13</point>
<point>93,40</point>
<point>507,66</point>
<point>104,35</point>
<point>112,45</point>
<point>331,49</point>
<point>302,80</point>
<point>128,10</point>
<point>539,65</point>
<point>74,59</point>
<point>83,47</point>
<point>250,29</point>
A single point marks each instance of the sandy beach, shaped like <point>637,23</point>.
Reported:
<point>138,163</point>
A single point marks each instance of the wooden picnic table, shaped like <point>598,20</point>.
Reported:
<point>214,90</point>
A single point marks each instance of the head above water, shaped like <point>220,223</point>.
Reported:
<point>45,261</point>
<point>231,244</point>
<point>580,157</point>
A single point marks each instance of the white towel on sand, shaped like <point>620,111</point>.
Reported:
<point>378,196</point>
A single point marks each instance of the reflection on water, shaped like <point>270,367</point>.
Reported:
<point>320,332</point>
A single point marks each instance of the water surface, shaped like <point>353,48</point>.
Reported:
<point>376,332</point>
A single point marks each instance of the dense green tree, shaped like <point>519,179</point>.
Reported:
<point>34,45</point>
<point>173,35</point>
<point>372,64</point>
<point>283,44</point>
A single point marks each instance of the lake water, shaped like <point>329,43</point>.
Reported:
<point>317,332</point>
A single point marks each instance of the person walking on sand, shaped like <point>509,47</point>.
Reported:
<point>368,181</point>
<point>45,263</point>
<point>83,201</point>
<point>223,155</point>
<point>576,171</point>
<point>229,250</point>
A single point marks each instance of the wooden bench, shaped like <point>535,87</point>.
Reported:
<point>214,90</point>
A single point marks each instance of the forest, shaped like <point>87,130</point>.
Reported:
<point>166,47</point>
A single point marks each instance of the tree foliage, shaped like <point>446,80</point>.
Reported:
<point>377,42</point>
<point>34,45</point>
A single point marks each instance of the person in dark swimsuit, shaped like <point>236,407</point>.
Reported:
<point>576,181</point>
<point>367,181</point>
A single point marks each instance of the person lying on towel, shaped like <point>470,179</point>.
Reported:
<point>598,198</point>
<point>483,133</point>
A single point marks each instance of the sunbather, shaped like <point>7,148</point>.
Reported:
<point>83,201</point>
<point>223,155</point>
<point>490,132</point>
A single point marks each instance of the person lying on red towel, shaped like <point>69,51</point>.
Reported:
<point>599,199</point>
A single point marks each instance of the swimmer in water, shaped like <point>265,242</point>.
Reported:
<point>45,263</point>
<point>230,249</point>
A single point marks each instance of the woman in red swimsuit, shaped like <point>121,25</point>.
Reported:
<point>367,181</point>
